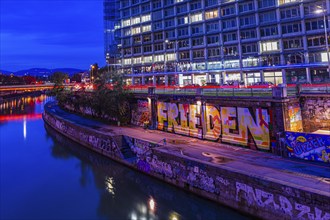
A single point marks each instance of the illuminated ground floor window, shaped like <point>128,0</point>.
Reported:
<point>296,76</point>
<point>273,77</point>
<point>251,78</point>
<point>319,76</point>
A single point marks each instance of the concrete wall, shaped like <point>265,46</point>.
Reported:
<point>101,143</point>
<point>258,196</point>
<point>246,192</point>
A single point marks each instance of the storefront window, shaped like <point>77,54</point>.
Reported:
<point>160,80</point>
<point>296,76</point>
<point>137,80</point>
<point>273,77</point>
<point>148,80</point>
<point>252,78</point>
<point>319,76</point>
<point>232,77</point>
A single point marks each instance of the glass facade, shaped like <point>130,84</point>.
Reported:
<point>111,30</point>
<point>201,41</point>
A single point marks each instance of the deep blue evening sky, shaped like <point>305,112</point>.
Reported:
<point>51,34</point>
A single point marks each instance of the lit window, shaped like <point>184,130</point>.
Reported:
<point>146,18</point>
<point>196,17</point>
<point>269,46</point>
<point>135,20</point>
<point>126,23</point>
<point>159,58</point>
<point>127,61</point>
<point>211,14</point>
<point>136,30</point>
<point>146,28</point>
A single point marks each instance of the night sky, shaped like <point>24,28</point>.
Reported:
<point>51,34</point>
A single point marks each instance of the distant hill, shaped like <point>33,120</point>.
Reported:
<point>69,71</point>
<point>34,72</point>
<point>5,72</point>
<point>42,71</point>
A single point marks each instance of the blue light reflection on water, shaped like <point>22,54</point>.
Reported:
<point>46,176</point>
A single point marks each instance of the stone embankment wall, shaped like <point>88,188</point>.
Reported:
<point>262,197</point>
<point>97,141</point>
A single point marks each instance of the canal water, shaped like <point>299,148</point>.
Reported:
<point>46,176</point>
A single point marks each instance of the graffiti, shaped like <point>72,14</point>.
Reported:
<point>229,124</point>
<point>308,146</point>
<point>161,167</point>
<point>295,118</point>
<point>143,166</point>
<point>213,123</point>
<point>93,140</point>
<point>236,122</point>
<point>222,180</point>
<point>141,148</point>
<point>263,199</point>
<point>141,114</point>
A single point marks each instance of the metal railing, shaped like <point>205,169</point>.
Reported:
<point>289,91</point>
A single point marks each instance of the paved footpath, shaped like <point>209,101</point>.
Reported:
<point>299,173</point>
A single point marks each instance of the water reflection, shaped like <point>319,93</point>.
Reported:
<point>23,108</point>
<point>127,194</point>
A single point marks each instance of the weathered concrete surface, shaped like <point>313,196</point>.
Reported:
<point>254,182</point>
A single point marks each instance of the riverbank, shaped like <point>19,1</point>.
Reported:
<point>257,183</point>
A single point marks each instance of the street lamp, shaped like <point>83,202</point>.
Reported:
<point>92,77</point>
<point>165,60</point>
<point>323,11</point>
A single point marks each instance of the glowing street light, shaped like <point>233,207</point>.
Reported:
<point>165,60</point>
<point>323,11</point>
<point>92,77</point>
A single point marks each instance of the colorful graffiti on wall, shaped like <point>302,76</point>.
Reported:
<point>308,146</point>
<point>230,124</point>
<point>141,114</point>
<point>295,118</point>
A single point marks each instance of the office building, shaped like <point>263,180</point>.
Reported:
<point>180,42</point>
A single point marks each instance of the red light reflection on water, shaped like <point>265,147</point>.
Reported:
<point>20,117</point>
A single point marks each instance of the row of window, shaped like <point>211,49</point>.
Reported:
<point>244,6</point>
<point>263,60</point>
<point>294,43</point>
<point>264,18</point>
<point>291,43</point>
<point>214,27</point>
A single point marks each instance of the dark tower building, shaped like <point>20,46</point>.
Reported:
<point>111,30</point>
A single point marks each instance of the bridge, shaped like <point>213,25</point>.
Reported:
<point>20,89</point>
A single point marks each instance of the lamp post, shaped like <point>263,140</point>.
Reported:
<point>165,59</point>
<point>323,11</point>
<point>92,77</point>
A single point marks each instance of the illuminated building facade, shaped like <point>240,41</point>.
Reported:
<point>180,42</point>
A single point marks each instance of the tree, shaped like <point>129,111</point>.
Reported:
<point>58,78</point>
<point>76,77</point>
<point>29,79</point>
<point>106,102</point>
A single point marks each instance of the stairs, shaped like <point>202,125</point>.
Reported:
<point>124,145</point>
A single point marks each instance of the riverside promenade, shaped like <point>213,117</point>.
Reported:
<point>264,185</point>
